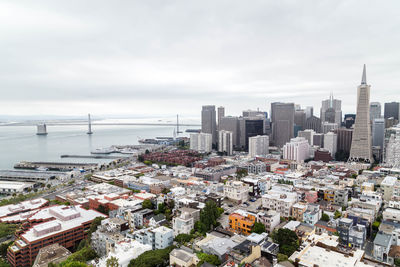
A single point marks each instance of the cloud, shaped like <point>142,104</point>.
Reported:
<point>168,57</point>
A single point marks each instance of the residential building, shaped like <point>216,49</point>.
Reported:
<point>387,185</point>
<point>183,257</point>
<point>209,123</point>
<point>158,238</point>
<point>201,142</point>
<point>298,210</point>
<point>297,149</point>
<point>236,191</point>
<point>280,201</point>
<point>312,214</point>
<point>361,149</point>
<point>341,198</point>
<point>184,223</point>
<point>270,219</point>
<point>382,244</point>
<point>242,221</point>
<point>225,142</point>
<point>330,143</point>
<point>66,226</point>
<point>351,235</point>
<point>258,145</point>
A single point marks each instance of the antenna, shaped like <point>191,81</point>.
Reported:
<point>89,125</point>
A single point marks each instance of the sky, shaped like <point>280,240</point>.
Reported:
<point>158,58</point>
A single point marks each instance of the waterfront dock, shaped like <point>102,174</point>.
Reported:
<point>29,176</point>
<point>91,156</point>
<point>54,166</point>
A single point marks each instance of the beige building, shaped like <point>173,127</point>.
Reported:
<point>183,258</point>
<point>236,191</point>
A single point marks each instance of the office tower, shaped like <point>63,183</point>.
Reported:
<point>258,145</point>
<point>330,143</point>
<point>378,132</point>
<point>392,147</point>
<point>308,135</point>
<point>392,109</point>
<point>349,120</point>
<point>331,110</point>
<point>231,124</point>
<point>254,113</point>
<point>318,139</point>
<point>314,123</point>
<point>250,126</point>
<point>300,119</point>
<point>374,110</point>
<point>221,113</point>
<point>225,142</point>
<point>208,122</point>
<point>329,126</point>
<point>344,137</point>
<point>201,142</point>
<point>361,144</point>
<point>297,149</point>
<point>282,118</point>
<point>309,112</point>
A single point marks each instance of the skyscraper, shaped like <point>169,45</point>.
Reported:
<point>309,112</point>
<point>392,109</point>
<point>378,132</point>
<point>221,113</point>
<point>374,110</point>
<point>361,143</point>
<point>225,142</point>
<point>331,110</point>
<point>250,126</point>
<point>258,145</point>
<point>330,143</point>
<point>300,118</point>
<point>208,122</point>
<point>231,124</point>
<point>282,118</point>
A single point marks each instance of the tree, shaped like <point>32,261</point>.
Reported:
<point>161,208</point>
<point>147,204</point>
<point>103,209</point>
<point>397,261</point>
<point>209,215</point>
<point>112,262</point>
<point>152,258</point>
<point>258,228</point>
<point>212,259</point>
<point>287,240</point>
<point>241,173</point>
<point>325,217</point>
<point>282,257</point>
<point>337,214</point>
<point>183,238</point>
<point>95,223</point>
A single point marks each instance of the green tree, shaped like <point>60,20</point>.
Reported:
<point>3,248</point>
<point>161,208</point>
<point>4,263</point>
<point>325,217</point>
<point>112,262</point>
<point>258,228</point>
<point>337,214</point>
<point>95,223</point>
<point>241,173</point>
<point>212,259</point>
<point>103,209</point>
<point>183,238</point>
<point>152,258</point>
<point>287,240</point>
<point>147,204</point>
<point>209,215</point>
<point>282,257</point>
<point>397,261</point>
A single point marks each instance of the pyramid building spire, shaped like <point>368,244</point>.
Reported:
<point>364,76</point>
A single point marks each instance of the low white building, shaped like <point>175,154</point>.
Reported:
<point>280,201</point>
<point>391,214</point>
<point>11,187</point>
<point>387,186</point>
<point>236,191</point>
<point>270,219</point>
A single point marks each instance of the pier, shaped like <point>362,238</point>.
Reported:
<point>91,156</point>
<point>29,176</point>
<point>54,166</point>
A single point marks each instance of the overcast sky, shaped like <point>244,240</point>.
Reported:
<point>167,57</point>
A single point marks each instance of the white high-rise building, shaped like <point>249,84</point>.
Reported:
<point>225,142</point>
<point>307,134</point>
<point>361,149</point>
<point>258,145</point>
<point>330,143</point>
<point>201,142</point>
<point>297,149</point>
<point>329,126</point>
<point>392,147</point>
